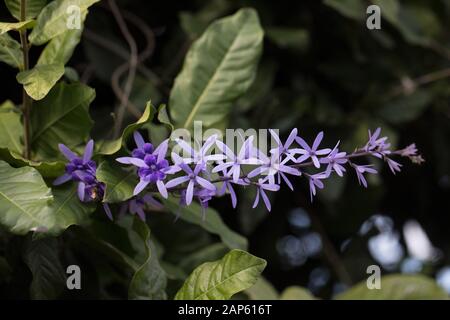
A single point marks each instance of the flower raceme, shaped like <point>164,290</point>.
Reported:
<point>203,173</point>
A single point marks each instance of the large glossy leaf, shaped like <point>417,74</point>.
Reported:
<point>397,287</point>
<point>112,146</point>
<point>11,129</point>
<point>60,49</point>
<point>262,290</point>
<point>296,293</point>
<point>32,9</point>
<point>10,51</point>
<point>9,26</point>
<point>119,182</point>
<point>219,280</point>
<point>58,117</point>
<point>149,281</point>
<point>38,81</point>
<point>53,19</point>
<point>218,69</point>
<point>24,200</point>
<point>67,208</point>
<point>49,278</point>
<point>212,222</point>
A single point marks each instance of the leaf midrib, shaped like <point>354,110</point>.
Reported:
<point>48,127</point>
<point>226,279</point>
<point>210,81</point>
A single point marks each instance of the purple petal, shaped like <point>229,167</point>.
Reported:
<point>224,148</point>
<point>246,149</point>
<point>315,161</point>
<point>233,195</point>
<point>140,186</point>
<point>138,139</point>
<point>303,144</point>
<point>67,152</point>
<point>205,183</point>
<point>162,189</point>
<point>266,200</point>
<point>186,147</point>
<point>140,212</point>
<point>138,162</point>
<point>125,160</point>
<point>62,179</point>
<point>174,182</point>
<point>291,138</point>
<point>289,184</point>
<point>88,151</point>
<point>80,190</point>
<point>256,199</point>
<point>222,167</point>
<point>317,141</point>
<point>108,211</point>
<point>189,192</point>
<point>162,150</point>
<point>275,137</point>
<point>208,143</point>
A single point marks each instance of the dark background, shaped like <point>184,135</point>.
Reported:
<point>322,69</point>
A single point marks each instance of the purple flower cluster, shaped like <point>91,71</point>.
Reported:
<point>83,171</point>
<point>204,174</point>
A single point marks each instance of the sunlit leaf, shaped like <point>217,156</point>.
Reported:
<point>220,280</point>
<point>38,81</point>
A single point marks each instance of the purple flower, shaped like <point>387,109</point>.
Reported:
<point>201,155</point>
<point>143,148</point>
<point>138,205</point>
<point>335,161</point>
<point>409,151</point>
<point>77,164</point>
<point>393,165</point>
<point>264,185</point>
<point>193,177</point>
<point>283,149</point>
<point>245,156</point>
<point>228,185</point>
<point>315,180</point>
<point>378,146</point>
<point>311,152</point>
<point>274,166</point>
<point>152,168</point>
<point>360,170</point>
<point>83,170</point>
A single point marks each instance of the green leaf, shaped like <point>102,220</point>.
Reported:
<point>212,222</point>
<point>293,38</point>
<point>296,293</point>
<point>353,9</point>
<point>38,81</point>
<point>56,118</point>
<point>406,108</point>
<point>119,182</point>
<point>10,51</point>
<point>11,129</point>
<point>209,253</point>
<point>218,69</point>
<point>60,49</point>
<point>149,281</point>
<point>49,278</point>
<point>68,210</point>
<point>17,26</point>
<point>219,280</point>
<point>262,290</point>
<point>24,200</point>
<point>397,287</point>
<point>53,19</point>
<point>112,146</point>
<point>33,8</point>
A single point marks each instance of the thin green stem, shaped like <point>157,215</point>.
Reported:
<point>26,100</point>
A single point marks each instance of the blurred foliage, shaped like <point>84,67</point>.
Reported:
<point>321,69</point>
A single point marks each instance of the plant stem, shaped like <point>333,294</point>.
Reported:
<point>26,100</point>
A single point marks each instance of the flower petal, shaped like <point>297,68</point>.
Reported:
<point>67,152</point>
<point>174,182</point>
<point>162,189</point>
<point>88,151</point>
<point>62,179</point>
<point>140,186</point>
<point>138,139</point>
<point>190,192</point>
